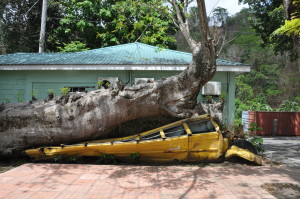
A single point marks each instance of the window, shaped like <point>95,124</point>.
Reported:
<point>151,136</point>
<point>79,88</point>
<point>201,127</point>
<point>106,82</point>
<point>174,131</point>
<point>127,140</point>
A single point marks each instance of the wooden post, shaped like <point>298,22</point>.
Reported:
<point>43,27</point>
<point>274,133</point>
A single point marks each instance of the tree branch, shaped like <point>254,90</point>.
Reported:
<point>164,13</point>
<point>222,45</point>
<point>183,25</point>
<point>141,34</point>
<point>203,23</point>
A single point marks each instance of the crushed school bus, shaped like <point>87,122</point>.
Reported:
<point>193,139</point>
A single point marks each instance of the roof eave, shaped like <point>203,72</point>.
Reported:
<point>170,67</point>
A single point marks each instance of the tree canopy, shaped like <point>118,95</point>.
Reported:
<point>20,23</point>
<point>77,117</point>
<point>92,23</point>
<point>268,17</point>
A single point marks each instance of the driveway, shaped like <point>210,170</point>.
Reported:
<point>71,181</point>
<point>285,150</point>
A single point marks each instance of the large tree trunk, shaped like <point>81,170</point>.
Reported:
<point>99,113</point>
<point>95,114</point>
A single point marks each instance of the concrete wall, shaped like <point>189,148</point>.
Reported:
<point>17,86</point>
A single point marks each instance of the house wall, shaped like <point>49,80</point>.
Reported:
<point>17,86</point>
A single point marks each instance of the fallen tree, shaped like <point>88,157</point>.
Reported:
<point>98,114</point>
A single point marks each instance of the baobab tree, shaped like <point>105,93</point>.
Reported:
<point>77,117</point>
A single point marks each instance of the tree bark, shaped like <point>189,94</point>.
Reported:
<point>97,114</point>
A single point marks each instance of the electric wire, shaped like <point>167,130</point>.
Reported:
<point>31,7</point>
<point>218,1</point>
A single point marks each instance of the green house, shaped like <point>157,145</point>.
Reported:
<point>25,74</point>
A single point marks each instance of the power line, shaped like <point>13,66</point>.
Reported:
<point>214,7</point>
<point>32,7</point>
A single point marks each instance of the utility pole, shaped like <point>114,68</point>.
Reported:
<point>43,27</point>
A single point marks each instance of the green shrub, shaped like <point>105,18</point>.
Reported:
<point>58,158</point>
<point>34,93</point>
<point>105,84</point>
<point>135,156</point>
<point>50,91</point>
<point>254,139</point>
<point>107,158</point>
<point>64,91</point>
<point>287,105</point>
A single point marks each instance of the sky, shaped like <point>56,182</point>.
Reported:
<point>231,5</point>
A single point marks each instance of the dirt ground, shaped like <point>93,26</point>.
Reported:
<point>283,191</point>
<point>8,164</point>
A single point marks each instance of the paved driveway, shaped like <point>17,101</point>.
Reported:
<point>70,181</point>
<point>284,150</point>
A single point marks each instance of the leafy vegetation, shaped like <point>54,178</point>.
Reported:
<point>19,96</point>
<point>273,83</point>
<point>107,158</point>
<point>79,25</point>
<point>34,94</point>
<point>20,24</point>
<point>253,138</point>
<point>51,91</point>
<point>289,106</point>
<point>74,46</point>
<point>135,156</point>
<point>64,91</point>
<point>291,27</point>
<point>104,84</point>
<point>105,23</point>
<point>265,12</point>
<point>58,158</point>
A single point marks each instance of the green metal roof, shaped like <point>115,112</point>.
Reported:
<point>125,54</point>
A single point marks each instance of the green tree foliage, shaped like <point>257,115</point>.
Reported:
<point>16,30</point>
<point>74,46</point>
<point>267,76</point>
<point>219,16</point>
<point>291,26</point>
<point>268,84</point>
<point>245,45</point>
<point>289,106</point>
<point>105,23</point>
<point>84,24</point>
<point>269,16</point>
<point>20,23</point>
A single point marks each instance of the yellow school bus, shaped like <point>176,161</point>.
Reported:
<point>197,139</point>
